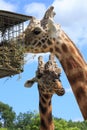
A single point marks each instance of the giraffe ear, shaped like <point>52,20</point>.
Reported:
<point>29,83</point>
<point>53,28</point>
<point>51,24</point>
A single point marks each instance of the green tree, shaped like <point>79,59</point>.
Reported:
<point>28,121</point>
<point>31,121</point>
<point>7,115</point>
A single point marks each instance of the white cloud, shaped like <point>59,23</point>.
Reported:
<point>35,9</point>
<point>72,15</point>
<point>71,11</point>
<point>7,6</point>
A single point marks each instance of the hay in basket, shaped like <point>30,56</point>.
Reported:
<point>11,51</point>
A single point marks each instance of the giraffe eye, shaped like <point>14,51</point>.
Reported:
<point>37,31</point>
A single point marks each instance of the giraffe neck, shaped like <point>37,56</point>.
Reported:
<point>75,69</point>
<point>45,109</point>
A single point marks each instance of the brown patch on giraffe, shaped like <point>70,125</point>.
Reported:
<point>57,49</point>
<point>69,65</point>
<point>42,108</point>
<point>54,39</point>
<point>50,117</point>
<point>80,76</point>
<point>44,46</point>
<point>80,92</point>
<point>64,48</point>
<point>49,42</point>
<point>72,63</point>
<point>36,50</point>
<point>39,44</point>
<point>43,40</point>
<point>51,49</point>
<point>58,42</point>
<point>43,124</point>
<point>76,78</point>
<point>72,80</point>
<point>43,100</point>
<point>46,96</point>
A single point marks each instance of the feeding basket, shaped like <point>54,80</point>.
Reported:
<point>11,51</point>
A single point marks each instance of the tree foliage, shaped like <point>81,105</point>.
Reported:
<point>27,121</point>
<point>31,121</point>
<point>7,115</point>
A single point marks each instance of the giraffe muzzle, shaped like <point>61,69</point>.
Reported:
<point>60,92</point>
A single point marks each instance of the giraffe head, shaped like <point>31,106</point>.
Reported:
<point>41,34</point>
<point>48,78</point>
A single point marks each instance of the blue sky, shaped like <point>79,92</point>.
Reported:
<point>72,16</point>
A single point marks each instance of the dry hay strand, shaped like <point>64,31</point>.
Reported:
<point>11,59</point>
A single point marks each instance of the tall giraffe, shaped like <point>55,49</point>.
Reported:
<point>47,77</point>
<point>47,36</point>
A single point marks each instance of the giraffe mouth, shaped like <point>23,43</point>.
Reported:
<point>60,92</point>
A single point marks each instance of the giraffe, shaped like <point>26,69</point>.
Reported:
<point>48,79</point>
<point>46,36</point>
